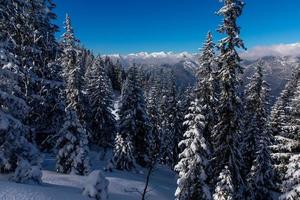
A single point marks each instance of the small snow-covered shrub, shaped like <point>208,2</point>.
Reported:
<point>96,186</point>
<point>26,173</point>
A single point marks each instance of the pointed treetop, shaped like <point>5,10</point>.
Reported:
<point>208,49</point>
<point>231,11</point>
<point>69,39</point>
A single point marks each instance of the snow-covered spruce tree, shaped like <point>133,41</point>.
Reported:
<point>255,115</point>
<point>171,129</point>
<point>17,154</point>
<point>123,158</point>
<point>293,126</point>
<point>205,89</point>
<point>114,73</point>
<point>85,60</point>
<point>257,155</point>
<point>225,187</point>
<point>134,122</point>
<point>291,183</point>
<point>72,143</point>
<point>286,146</point>
<point>153,113</point>
<point>194,160</point>
<point>185,98</point>
<point>262,175</point>
<point>99,91</point>
<point>33,34</point>
<point>194,169</point>
<point>280,113</point>
<point>227,131</point>
<point>291,179</point>
<point>71,61</point>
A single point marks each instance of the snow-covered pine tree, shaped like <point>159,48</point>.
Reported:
<point>28,24</point>
<point>205,90</point>
<point>280,113</point>
<point>291,183</point>
<point>291,178</point>
<point>86,60</point>
<point>134,122</point>
<point>194,169</point>
<point>227,131</point>
<point>257,155</point>
<point>255,115</point>
<point>286,147</point>
<point>72,143</point>
<point>123,158</point>
<point>175,118</point>
<point>194,160</point>
<point>152,111</point>
<point>224,189</point>
<point>17,154</point>
<point>262,175</point>
<point>293,126</point>
<point>114,71</point>
<point>99,91</point>
<point>171,129</point>
<point>71,61</point>
<point>185,99</point>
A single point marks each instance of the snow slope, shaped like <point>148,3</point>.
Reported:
<point>122,186</point>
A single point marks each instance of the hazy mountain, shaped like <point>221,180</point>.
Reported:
<point>153,59</point>
<point>278,69</point>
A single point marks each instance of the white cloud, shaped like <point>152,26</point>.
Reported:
<point>273,50</point>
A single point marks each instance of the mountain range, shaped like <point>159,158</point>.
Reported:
<point>278,64</point>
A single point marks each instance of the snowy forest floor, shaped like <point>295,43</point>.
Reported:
<point>123,185</point>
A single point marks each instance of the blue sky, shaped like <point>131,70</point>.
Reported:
<point>128,26</point>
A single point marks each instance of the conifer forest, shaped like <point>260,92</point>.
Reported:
<point>78,124</point>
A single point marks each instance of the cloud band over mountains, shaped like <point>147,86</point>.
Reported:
<point>272,50</point>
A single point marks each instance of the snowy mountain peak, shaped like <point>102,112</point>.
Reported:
<point>155,58</point>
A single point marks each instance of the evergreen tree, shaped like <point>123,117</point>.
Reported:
<point>72,144</point>
<point>123,158</point>
<point>102,124</point>
<point>71,61</point>
<point>294,109</point>
<point>114,73</point>
<point>134,122</point>
<point>257,156</point>
<point>262,176</point>
<point>227,131</point>
<point>194,160</point>
<point>184,101</point>
<point>205,90</point>
<point>292,179</point>
<point>286,147</point>
<point>28,25</point>
<point>280,112</point>
<point>225,187</point>
<point>200,120</point>
<point>17,154</point>
<point>170,122</point>
<point>153,113</point>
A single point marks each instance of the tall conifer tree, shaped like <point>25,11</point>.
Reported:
<point>72,143</point>
<point>227,132</point>
<point>99,93</point>
<point>134,122</point>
